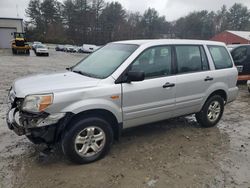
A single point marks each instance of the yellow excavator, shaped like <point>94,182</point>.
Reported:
<point>19,44</point>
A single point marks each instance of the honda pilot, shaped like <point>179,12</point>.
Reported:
<point>122,85</point>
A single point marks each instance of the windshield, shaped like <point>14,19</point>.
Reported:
<point>40,46</point>
<point>105,61</point>
<point>19,35</point>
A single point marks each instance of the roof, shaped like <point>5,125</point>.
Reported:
<point>169,41</point>
<point>242,34</point>
<point>3,18</point>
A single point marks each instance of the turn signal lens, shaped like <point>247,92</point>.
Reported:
<point>45,102</point>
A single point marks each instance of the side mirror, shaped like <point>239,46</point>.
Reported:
<point>135,76</point>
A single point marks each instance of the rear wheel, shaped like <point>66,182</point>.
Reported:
<point>88,140</point>
<point>211,112</point>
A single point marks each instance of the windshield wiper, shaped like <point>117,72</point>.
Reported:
<point>84,73</point>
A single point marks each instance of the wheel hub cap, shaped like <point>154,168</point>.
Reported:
<point>90,141</point>
<point>214,111</point>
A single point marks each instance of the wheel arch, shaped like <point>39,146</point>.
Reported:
<point>101,113</point>
<point>219,92</point>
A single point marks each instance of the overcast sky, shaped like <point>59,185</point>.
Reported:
<point>172,9</point>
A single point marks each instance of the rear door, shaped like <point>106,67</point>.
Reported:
<point>193,77</point>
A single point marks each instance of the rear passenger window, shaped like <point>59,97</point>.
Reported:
<point>191,59</point>
<point>220,57</point>
<point>154,62</point>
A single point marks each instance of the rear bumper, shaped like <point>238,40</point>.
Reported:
<point>232,94</point>
<point>244,77</point>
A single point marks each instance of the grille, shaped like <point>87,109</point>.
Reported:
<point>19,43</point>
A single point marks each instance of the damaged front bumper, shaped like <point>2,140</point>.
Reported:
<point>39,128</point>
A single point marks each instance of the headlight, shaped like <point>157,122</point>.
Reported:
<point>37,103</point>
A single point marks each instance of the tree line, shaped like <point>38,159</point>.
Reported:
<point>99,22</point>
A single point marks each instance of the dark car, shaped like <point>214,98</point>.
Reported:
<point>241,57</point>
<point>59,48</point>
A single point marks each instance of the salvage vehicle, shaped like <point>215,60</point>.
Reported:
<point>122,85</point>
<point>19,43</point>
<point>41,49</point>
<point>241,57</point>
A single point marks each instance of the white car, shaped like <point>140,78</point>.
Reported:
<point>41,49</point>
<point>89,48</point>
<point>69,48</point>
<point>34,44</point>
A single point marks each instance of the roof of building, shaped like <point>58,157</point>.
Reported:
<point>4,18</point>
<point>242,34</point>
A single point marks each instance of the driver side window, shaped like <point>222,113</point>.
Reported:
<point>154,62</point>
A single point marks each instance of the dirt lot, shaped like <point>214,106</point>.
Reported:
<point>174,153</point>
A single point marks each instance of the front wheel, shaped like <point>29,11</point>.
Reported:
<point>88,140</point>
<point>211,112</point>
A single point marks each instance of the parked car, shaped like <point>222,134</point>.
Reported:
<point>241,57</point>
<point>89,48</point>
<point>69,48</point>
<point>122,85</point>
<point>230,47</point>
<point>41,49</point>
<point>34,44</point>
<point>59,48</point>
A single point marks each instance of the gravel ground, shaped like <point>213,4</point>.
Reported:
<point>173,153</point>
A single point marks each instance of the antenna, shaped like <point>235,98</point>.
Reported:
<point>17,11</point>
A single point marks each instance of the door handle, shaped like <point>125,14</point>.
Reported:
<point>167,85</point>
<point>208,78</point>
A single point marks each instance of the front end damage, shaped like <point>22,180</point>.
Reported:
<point>38,127</point>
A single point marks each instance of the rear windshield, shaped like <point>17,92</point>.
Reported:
<point>220,57</point>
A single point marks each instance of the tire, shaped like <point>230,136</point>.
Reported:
<point>84,130</point>
<point>207,117</point>
<point>14,51</point>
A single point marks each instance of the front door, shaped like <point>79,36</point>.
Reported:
<point>152,99</point>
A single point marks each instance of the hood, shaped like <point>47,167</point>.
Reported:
<point>43,48</point>
<point>53,82</point>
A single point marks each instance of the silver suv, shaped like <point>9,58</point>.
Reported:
<point>122,85</point>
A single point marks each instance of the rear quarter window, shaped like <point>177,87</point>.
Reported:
<point>221,57</point>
